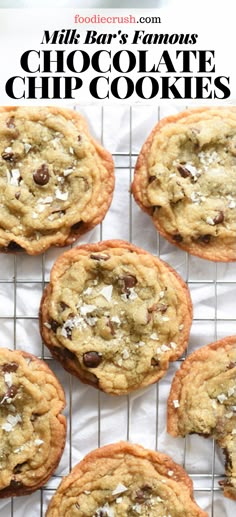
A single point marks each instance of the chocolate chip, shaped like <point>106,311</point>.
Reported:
<point>34,417</point>
<point>177,237</point>
<point>63,306</point>
<point>150,310</point>
<point>184,172</point>
<point>54,325</point>
<point>143,493</point>
<point>79,138</point>
<point>10,367</point>
<point>111,327</point>
<point>11,392</point>
<point>9,157</point>
<point>77,226</point>
<point>15,484</point>
<point>230,365</point>
<point>92,359</point>
<point>155,208</point>
<point>225,482</point>
<point>205,239</point>
<point>41,175</point>
<point>160,307</point>
<point>151,179</point>
<point>56,210</point>
<point>99,256</point>
<point>68,332</point>
<point>127,283</point>
<point>154,362</point>
<point>19,467</point>
<point>219,218</point>
<point>11,123</point>
<point>13,246</point>
<point>17,194</point>
<point>228,459</point>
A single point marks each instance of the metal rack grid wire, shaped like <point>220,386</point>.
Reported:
<point>136,410</point>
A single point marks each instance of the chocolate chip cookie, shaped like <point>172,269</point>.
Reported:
<point>114,315</point>
<point>203,400</point>
<point>32,428</point>
<point>185,179</point>
<point>121,480</point>
<point>56,182</point>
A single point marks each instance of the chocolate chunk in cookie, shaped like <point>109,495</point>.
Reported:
<point>32,428</point>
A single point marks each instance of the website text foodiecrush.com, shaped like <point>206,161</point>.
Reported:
<point>100,19</point>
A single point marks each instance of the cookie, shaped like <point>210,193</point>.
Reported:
<point>185,179</point>
<point>32,428</point>
<point>123,479</point>
<point>203,400</point>
<point>114,315</point>
<point>56,182</point>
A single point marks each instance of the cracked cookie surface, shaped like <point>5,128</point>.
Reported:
<point>32,429</point>
<point>203,400</point>
<point>185,178</point>
<point>56,182</point>
<point>115,315</point>
<point>121,480</point>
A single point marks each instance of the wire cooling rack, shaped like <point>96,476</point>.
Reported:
<point>94,418</point>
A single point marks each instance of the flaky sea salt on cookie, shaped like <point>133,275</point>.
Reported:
<point>121,480</point>
<point>185,179</point>
<point>115,316</point>
<point>32,428</point>
<point>56,182</point>
<point>203,401</point>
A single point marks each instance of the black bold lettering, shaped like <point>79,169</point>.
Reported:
<point>222,87</point>
<point>96,61</point>
<point>115,87</point>
<point>10,84</point>
<point>153,85</point>
<point>95,84</point>
<point>24,61</point>
<point>47,61</point>
<point>83,61</point>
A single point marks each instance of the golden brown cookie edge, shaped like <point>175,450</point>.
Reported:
<point>161,462</point>
<point>74,233</point>
<point>60,438</point>
<point>215,251</point>
<point>172,416</point>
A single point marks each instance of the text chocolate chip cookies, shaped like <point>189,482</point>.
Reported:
<point>185,178</point>
<point>56,182</point>
<point>32,428</point>
<point>203,400</point>
<point>123,479</point>
<point>114,315</point>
